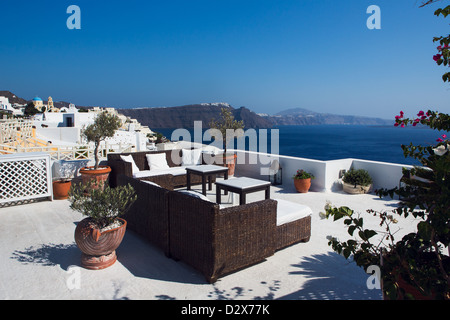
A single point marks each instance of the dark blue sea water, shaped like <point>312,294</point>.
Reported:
<point>331,142</point>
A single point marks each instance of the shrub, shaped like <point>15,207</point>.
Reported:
<point>358,177</point>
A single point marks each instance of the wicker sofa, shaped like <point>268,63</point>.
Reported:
<point>213,239</point>
<point>218,241</point>
<point>174,161</point>
<point>148,216</point>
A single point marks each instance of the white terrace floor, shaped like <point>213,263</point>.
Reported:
<point>39,260</point>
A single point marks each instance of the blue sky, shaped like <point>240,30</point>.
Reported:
<point>267,55</point>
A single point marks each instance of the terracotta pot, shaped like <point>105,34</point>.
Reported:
<point>302,185</point>
<point>98,176</point>
<point>61,189</point>
<point>351,189</point>
<point>227,160</point>
<point>98,248</point>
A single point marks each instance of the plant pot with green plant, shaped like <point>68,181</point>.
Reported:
<point>416,266</point>
<point>302,181</point>
<point>226,129</point>
<point>104,126</point>
<point>101,232</point>
<point>357,181</point>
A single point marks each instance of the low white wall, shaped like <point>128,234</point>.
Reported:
<point>384,175</point>
<point>327,173</point>
<point>254,165</point>
<point>71,135</point>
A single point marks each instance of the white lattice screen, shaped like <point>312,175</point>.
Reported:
<point>25,176</point>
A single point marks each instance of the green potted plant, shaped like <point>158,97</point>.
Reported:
<point>104,126</point>
<point>101,232</point>
<point>357,181</point>
<point>225,125</point>
<point>414,267</point>
<point>302,180</point>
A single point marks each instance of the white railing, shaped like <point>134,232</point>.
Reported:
<point>78,152</point>
<point>25,177</point>
<point>12,129</point>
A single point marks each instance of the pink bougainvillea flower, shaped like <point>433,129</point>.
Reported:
<point>396,124</point>
<point>439,140</point>
<point>397,117</point>
<point>401,114</point>
<point>439,48</point>
<point>402,125</point>
<point>437,57</point>
<point>444,136</point>
<point>421,113</point>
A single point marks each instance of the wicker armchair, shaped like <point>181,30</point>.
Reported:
<point>148,216</point>
<point>220,241</point>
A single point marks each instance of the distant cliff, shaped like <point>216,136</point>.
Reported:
<point>184,116</point>
<point>301,116</point>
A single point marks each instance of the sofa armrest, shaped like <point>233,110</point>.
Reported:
<point>119,167</point>
<point>219,241</point>
<point>148,215</point>
<point>245,235</point>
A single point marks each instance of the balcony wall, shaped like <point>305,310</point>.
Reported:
<point>327,173</point>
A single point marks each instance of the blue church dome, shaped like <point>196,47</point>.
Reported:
<point>37,99</point>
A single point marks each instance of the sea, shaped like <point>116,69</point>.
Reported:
<point>332,142</point>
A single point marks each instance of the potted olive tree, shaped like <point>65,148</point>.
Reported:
<point>414,267</point>
<point>302,181</point>
<point>229,128</point>
<point>104,126</point>
<point>357,181</point>
<point>101,232</point>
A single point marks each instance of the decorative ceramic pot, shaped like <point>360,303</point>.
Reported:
<point>61,189</point>
<point>97,176</point>
<point>98,247</point>
<point>302,185</point>
<point>352,189</point>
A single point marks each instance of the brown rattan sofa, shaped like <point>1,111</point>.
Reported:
<point>210,238</point>
<point>173,158</point>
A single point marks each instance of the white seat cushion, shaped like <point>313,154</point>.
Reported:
<point>195,194</point>
<point>175,171</point>
<point>151,183</point>
<point>288,211</point>
<point>129,158</point>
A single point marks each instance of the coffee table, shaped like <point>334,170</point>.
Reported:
<point>205,171</point>
<point>242,186</point>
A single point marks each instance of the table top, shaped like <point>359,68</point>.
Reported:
<point>207,168</point>
<point>243,182</point>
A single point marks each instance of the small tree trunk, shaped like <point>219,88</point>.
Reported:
<point>97,144</point>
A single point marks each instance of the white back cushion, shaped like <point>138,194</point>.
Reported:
<point>130,159</point>
<point>157,161</point>
<point>191,157</point>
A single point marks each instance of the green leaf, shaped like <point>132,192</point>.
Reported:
<point>424,229</point>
